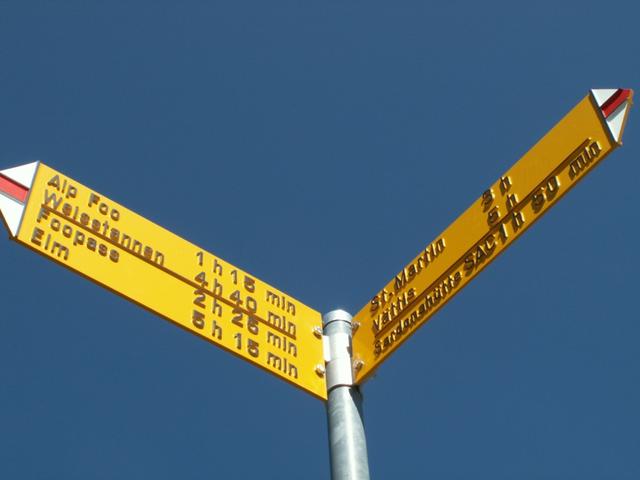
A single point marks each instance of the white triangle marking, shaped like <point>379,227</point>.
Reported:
<point>615,121</point>
<point>603,94</point>
<point>11,212</point>
<point>23,174</point>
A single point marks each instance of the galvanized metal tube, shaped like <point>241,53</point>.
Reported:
<point>347,441</point>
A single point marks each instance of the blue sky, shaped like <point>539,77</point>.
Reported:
<point>368,127</point>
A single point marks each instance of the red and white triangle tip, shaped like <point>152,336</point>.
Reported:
<point>614,104</point>
<point>15,184</point>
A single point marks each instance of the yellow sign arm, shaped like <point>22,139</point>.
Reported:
<point>100,239</point>
<point>587,134</point>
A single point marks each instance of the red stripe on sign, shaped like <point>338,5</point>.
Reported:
<point>617,99</point>
<point>13,188</point>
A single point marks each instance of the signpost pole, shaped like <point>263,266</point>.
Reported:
<point>347,442</point>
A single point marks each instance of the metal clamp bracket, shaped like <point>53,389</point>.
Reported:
<point>337,349</point>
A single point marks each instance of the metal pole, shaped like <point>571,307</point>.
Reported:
<point>347,442</point>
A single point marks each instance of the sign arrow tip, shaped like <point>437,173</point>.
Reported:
<point>614,104</point>
<point>15,184</point>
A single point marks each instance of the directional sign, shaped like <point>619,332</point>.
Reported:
<point>126,253</point>
<point>586,135</point>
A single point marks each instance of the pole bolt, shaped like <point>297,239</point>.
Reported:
<point>320,370</point>
<point>357,365</point>
<point>355,326</point>
<point>317,331</point>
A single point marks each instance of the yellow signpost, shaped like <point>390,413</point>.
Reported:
<point>128,254</point>
<point>587,134</point>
